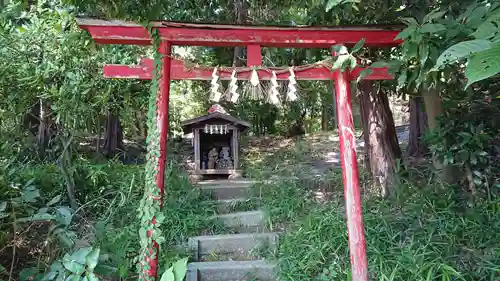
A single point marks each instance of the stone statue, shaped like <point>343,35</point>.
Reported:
<point>225,161</point>
<point>212,158</point>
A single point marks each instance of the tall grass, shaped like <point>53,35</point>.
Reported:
<point>108,194</point>
<point>187,211</point>
<point>420,236</point>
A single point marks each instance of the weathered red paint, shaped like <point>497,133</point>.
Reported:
<point>254,55</point>
<point>162,114</point>
<point>162,125</point>
<point>350,177</point>
<point>122,32</point>
<point>179,71</point>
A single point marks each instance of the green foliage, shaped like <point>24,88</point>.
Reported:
<point>460,51</point>
<point>149,208</point>
<point>176,272</point>
<point>330,4</point>
<point>56,64</point>
<point>297,203</point>
<point>482,65</point>
<point>77,266</point>
<point>421,237</point>
<point>442,39</point>
<point>24,206</point>
<point>467,141</point>
<point>109,193</point>
<point>346,59</point>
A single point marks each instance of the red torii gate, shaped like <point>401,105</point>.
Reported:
<point>254,37</point>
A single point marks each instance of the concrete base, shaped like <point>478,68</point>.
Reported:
<point>231,271</point>
<point>233,246</point>
<point>235,205</point>
<point>232,257</point>
<point>194,179</point>
<point>237,182</point>
<point>236,175</point>
<point>225,192</point>
<point>244,222</point>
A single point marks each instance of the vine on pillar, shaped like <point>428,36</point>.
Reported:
<point>149,211</point>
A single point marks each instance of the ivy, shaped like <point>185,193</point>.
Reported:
<point>149,211</point>
<point>176,272</point>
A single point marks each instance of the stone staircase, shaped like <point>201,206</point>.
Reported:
<point>236,256</point>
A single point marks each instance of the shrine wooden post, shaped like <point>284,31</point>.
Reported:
<point>162,125</point>
<point>350,176</point>
<point>162,114</point>
<point>253,37</point>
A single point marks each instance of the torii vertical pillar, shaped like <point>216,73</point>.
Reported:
<point>162,125</point>
<point>350,176</point>
<point>162,114</point>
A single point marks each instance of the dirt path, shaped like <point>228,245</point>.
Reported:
<point>332,159</point>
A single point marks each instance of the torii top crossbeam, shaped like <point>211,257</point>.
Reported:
<point>217,35</point>
<point>252,37</point>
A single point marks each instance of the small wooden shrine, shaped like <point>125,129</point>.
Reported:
<point>215,142</point>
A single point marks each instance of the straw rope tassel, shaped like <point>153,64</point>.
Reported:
<point>233,86</point>
<point>216,94</point>
<point>292,89</point>
<point>273,91</point>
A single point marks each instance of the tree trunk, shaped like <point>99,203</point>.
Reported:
<point>433,108</point>
<point>67,172</point>
<point>141,124</point>
<point>241,17</point>
<point>382,149</point>
<point>43,129</point>
<point>39,122</point>
<point>113,137</point>
<point>99,136</point>
<point>418,124</point>
<point>324,118</point>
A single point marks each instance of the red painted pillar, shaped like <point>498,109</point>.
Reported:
<point>162,125</point>
<point>350,177</point>
<point>162,114</point>
<point>254,55</point>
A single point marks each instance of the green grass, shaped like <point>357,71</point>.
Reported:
<point>244,205</point>
<point>187,212</point>
<point>108,194</point>
<point>424,233</point>
<point>419,236</point>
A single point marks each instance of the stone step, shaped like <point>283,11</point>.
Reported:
<point>231,271</point>
<point>225,192</point>
<point>246,246</point>
<point>237,205</point>
<point>240,182</point>
<point>244,222</point>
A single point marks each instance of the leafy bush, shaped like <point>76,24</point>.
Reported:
<point>108,194</point>
<point>77,266</point>
<point>467,141</point>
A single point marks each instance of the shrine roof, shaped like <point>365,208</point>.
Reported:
<point>186,125</point>
<point>204,34</point>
